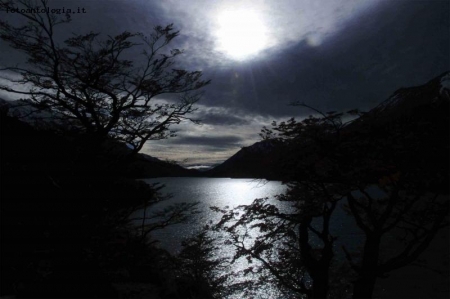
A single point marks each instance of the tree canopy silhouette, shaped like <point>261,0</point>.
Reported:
<point>89,82</point>
<point>374,172</point>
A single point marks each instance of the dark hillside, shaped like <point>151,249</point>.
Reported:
<point>145,166</point>
<point>64,216</point>
<point>412,127</point>
<point>260,160</point>
<point>53,212</point>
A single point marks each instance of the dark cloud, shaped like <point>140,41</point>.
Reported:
<point>214,142</point>
<point>226,118</point>
<point>400,44</point>
<point>334,56</point>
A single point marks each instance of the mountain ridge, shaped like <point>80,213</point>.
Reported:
<point>427,103</point>
<point>141,166</point>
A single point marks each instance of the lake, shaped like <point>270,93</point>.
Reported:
<point>220,192</point>
<point>223,192</point>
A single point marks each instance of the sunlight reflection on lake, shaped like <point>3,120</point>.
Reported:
<point>225,192</point>
<point>219,192</point>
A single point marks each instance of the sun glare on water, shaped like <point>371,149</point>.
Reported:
<point>241,34</point>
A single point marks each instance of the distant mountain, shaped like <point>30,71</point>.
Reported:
<point>417,101</point>
<point>410,130</point>
<point>24,110</point>
<point>415,111</point>
<point>140,166</point>
<point>145,166</point>
<point>259,160</point>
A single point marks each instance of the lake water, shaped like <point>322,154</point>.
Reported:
<point>219,192</point>
<point>224,192</point>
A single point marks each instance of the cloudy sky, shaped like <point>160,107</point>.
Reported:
<point>262,55</point>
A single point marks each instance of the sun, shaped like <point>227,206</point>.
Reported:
<point>241,34</point>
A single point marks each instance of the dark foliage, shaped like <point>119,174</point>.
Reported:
<point>66,229</point>
<point>388,169</point>
<point>66,191</point>
<point>89,84</point>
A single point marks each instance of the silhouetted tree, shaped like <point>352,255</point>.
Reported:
<point>289,255</point>
<point>69,213</point>
<point>90,84</point>
<point>201,274</point>
<point>356,165</point>
<point>409,206</point>
<point>79,227</point>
